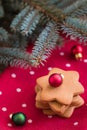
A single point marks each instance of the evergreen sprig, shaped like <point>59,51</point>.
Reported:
<point>76,27</point>
<point>52,2</point>
<point>3,34</point>
<point>49,10</point>
<point>75,6</point>
<point>12,40</point>
<point>42,21</point>
<point>18,19</point>
<point>44,44</point>
<point>40,26</point>
<point>82,11</point>
<point>30,22</point>
<point>26,21</point>
<point>64,3</point>
<point>14,57</point>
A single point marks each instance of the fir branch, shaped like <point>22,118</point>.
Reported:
<point>3,34</point>
<point>17,41</point>
<point>65,3</point>
<point>18,19</point>
<point>40,26</point>
<point>76,5</point>
<point>75,27</point>
<point>44,44</point>
<point>26,21</point>
<point>30,22</point>
<point>14,57</point>
<point>50,11</point>
<point>81,11</point>
<point>53,2</point>
<point>12,40</point>
<point>41,19</point>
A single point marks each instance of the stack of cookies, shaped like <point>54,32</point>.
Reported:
<point>59,97</point>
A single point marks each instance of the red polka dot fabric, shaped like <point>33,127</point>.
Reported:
<point>17,93</point>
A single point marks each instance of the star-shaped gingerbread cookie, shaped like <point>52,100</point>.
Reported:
<point>60,100</point>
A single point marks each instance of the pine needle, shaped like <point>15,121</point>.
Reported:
<point>44,44</point>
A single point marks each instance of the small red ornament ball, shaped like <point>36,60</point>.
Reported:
<point>77,52</point>
<point>55,80</point>
<point>77,49</point>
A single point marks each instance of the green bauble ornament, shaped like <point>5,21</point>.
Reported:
<point>18,118</point>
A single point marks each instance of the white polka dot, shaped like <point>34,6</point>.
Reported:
<point>4,109</point>
<point>13,75</point>
<point>30,121</point>
<point>68,65</point>
<point>61,53</point>
<point>75,123</point>
<point>50,116</point>
<point>9,124</point>
<point>0,92</point>
<point>49,68</point>
<point>32,72</point>
<point>24,105</point>
<point>10,116</point>
<point>85,60</point>
<point>18,90</point>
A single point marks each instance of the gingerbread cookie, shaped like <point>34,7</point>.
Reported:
<point>58,93</point>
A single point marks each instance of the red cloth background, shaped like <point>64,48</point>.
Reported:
<point>17,94</point>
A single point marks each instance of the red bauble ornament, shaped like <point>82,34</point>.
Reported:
<point>77,51</point>
<point>55,80</point>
